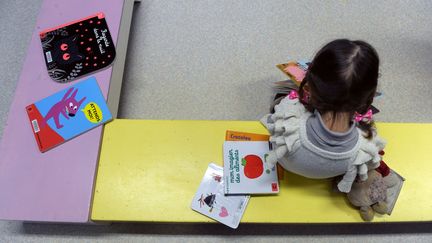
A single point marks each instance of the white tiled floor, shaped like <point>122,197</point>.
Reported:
<point>215,60</point>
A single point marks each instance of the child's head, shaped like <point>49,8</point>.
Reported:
<point>342,77</point>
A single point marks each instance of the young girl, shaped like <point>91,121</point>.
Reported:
<point>326,129</point>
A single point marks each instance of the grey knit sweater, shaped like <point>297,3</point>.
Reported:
<point>297,153</point>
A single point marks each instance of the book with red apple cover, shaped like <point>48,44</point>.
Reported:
<point>245,171</point>
<point>246,136</point>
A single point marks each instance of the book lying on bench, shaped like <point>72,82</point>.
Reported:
<point>77,48</point>
<point>210,199</point>
<point>68,113</point>
<point>245,171</point>
<point>245,136</point>
<point>394,191</point>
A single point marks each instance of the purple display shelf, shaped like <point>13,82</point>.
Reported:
<point>55,186</point>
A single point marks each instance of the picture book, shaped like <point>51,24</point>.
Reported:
<point>393,192</point>
<point>295,70</point>
<point>245,171</point>
<point>210,199</point>
<point>245,136</point>
<point>68,113</point>
<point>77,48</point>
<point>285,86</point>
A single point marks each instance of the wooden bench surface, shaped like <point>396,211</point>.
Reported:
<point>149,171</point>
<point>55,186</point>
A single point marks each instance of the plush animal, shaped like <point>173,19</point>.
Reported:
<point>370,195</point>
<point>67,106</point>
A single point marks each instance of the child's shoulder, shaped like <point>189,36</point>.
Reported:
<point>287,117</point>
<point>290,104</point>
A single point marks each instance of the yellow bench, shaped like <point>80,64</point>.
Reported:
<point>149,171</point>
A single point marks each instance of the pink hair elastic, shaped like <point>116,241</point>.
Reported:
<point>366,117</point>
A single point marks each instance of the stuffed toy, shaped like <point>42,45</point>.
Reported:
<point>370,195</point>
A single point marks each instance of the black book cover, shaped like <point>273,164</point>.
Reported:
<point>77,48</point>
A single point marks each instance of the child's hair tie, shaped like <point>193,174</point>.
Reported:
<point>293,95</point>
<point>366,117</point>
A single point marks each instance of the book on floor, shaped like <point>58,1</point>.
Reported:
<point>211,201</point>
<point>245,171</point>
<point>68,113</point>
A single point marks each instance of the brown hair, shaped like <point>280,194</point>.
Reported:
<point>343,77</point>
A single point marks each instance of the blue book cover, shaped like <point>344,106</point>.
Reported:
<point>68,113</point>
